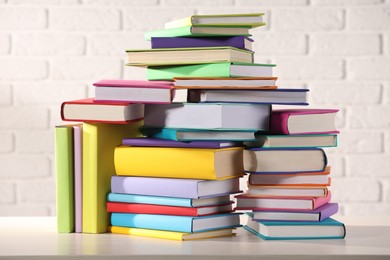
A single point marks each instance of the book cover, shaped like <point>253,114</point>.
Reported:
<point>176,223</point>
<point>171,187</point>
<point>170,234</point>
<point>240,42</point>
<point>171,162</point>
<point>64,178</point>
<point>99,141</point>
<point>78,176</point>
<point>158,142</point>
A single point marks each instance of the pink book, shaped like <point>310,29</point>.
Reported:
<point>303,121</point>
<point>78,176</point>
<point>135,91</point>
<point>246,202</point>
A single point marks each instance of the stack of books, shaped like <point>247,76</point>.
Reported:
<point>288,188</point>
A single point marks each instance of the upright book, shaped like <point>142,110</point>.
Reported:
<point>171,162</point>
<point>99,142</point>
<point>78,176</point>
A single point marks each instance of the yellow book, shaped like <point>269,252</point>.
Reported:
<point>172,162</point>
<point>99,142</point>
<point>170,234</point>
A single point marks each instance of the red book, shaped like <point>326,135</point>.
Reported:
<point>303,121</point>
<point>167,210</point>
<point>88,110</point>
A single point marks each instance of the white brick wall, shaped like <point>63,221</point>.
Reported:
<point>53,50</point>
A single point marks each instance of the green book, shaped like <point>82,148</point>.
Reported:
<point>222,69</point>
<point>64,178</point>
<point>195,31</point>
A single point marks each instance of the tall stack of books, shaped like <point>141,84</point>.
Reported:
<point>289,177</point>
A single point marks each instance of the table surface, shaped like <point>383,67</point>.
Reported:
<point>36,238</point>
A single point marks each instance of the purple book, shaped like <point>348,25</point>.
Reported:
<point>156,142</point>
<point>170,187</point>
<point>240,42</point>
<point>78,169</point>
<point>318,214</point>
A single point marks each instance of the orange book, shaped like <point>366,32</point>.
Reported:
<point>287,191</point>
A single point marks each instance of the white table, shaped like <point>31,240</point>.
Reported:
<point>36,238</point>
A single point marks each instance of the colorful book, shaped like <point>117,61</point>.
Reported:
<point>286,191</point>
<point>294,141</point>
<point>184,56</point>
<point>260,96</point>
<point>217,70</point>
<point>198,31</point>
<point>171,162</point>
<point>176,223</point>
<point>181,236</point>
<point>303,121</point>
<point>292,179</point>
<point>177,188</point>
<point>64,178</point>
<point>225,83</point>
<point>168,201</point>
<point>319,214</point>
<point>280,160</point>
<point>289,230</point>
<point>78,176</point>
<point>137,208</point>
<point>158,142</point>
<point>135,91</point>
<point>249,20</point>
<point>224,116</point>
<point>245,202</point>
<point>187,134</point>
<point>88,110</point>
<point>99,141</point>
<point>240,42</point>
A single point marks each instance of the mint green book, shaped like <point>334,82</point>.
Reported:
<point>64,178</point>
<point>195,31</point>
<point>222,69</point>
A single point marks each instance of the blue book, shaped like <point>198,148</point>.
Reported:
<point>186,134</point>
<point>176,223</point>
<point>290,230</point>
<point>167,201</point>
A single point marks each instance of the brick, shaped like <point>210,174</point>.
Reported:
<point>45,2</point>
<point>344,93</point>
<point>85,19</point>
<point>268,43</point>
<point>23,69</point>
<point>309,68</point>
<point>152,18</point>
<point>367,209</point>
<point>345,44</point>
<point>360,142</point>
<point>24,210</point>
<point>48,93</point>
<point>116,43</point>
<point>38,141</point>
<point>90,69</point>
<point>24,166</point>
<point>7,142</point>
<point>5,44</point>
<point>346,2</point>
<point>336,162</point>
<point>122,2</point>
<point>375,18</point>
<point>268,3</point>
<point>307,19</point>
<point>53,44</point>
<point>197,3</point>
<point>24,118</point>
<point>22,18</point>
<point>7,193</point>
<point>369,68</point>
<point>5,94</point>
<point>37,191</point>
<point>370,165</point>
<point>355,190</point>
<point>371,117</point>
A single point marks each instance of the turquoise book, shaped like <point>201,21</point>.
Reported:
<point>294,230</point>
<point>176,223</point>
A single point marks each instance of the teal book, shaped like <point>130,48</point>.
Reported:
<point>64,178</point>
<point>187,134</point>
<point>176,223</point>
<point>294,230</point>
<point>210,70</point>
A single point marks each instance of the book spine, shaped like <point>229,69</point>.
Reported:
<point>163,133</point>
<point>78,176</point>
<point>150,209</point>
<point>155,200</point>
<point>329,211</point>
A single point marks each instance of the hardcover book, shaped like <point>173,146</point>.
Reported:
<point>294,141</point>
<point>78,176</point>
<point>286,191</point>
<point>225,83</point>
